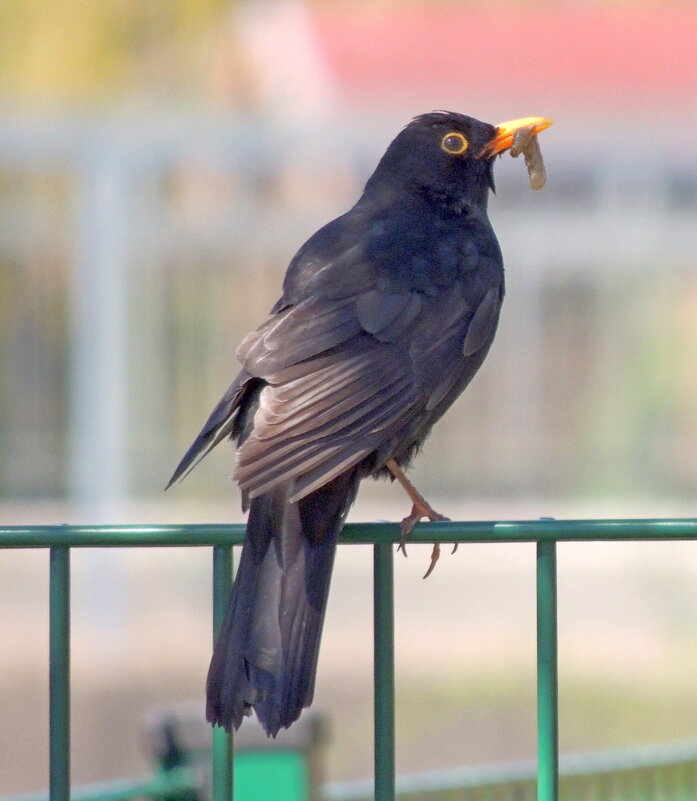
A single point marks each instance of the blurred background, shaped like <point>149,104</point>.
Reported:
<point>160,163</point>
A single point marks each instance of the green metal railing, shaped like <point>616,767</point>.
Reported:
<point>178,783</point>
<point>665,772</point>
<point>545,532</point>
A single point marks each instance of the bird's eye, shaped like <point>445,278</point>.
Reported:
<point>454,143</point>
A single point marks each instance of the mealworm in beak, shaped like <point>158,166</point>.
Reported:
<point>525,141</point>
<point>521,140</point>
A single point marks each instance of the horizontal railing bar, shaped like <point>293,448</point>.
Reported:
<point>616,761</point>
<point>163,785</point>
<point>545,530</point>
<point>132,536</point>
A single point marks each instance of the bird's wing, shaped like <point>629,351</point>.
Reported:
<point>219,425</point>
<point>345,375</point>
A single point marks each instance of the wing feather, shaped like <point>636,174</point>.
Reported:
<point>325,412</point>
<point>340,377</point>
<point>220,424</point>
<point>302,332</point>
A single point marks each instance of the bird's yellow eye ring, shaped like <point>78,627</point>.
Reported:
<point>454,143</point>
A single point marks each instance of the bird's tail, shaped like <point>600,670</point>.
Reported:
<point>266,653</point>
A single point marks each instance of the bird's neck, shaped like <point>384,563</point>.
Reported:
<point>460,204</point>
<point>470,200</point>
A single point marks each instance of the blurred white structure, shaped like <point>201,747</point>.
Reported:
<point>281,48</point>
<point>162,241</point>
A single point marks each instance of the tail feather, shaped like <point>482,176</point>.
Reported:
<point>266,655</point>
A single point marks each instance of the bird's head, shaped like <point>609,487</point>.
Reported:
<point>446,154</point>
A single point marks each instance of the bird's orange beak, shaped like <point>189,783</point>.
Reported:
<point>505,131</point>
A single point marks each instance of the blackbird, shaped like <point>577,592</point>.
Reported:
<point>387,313</point>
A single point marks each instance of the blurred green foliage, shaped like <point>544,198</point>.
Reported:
<point>85,50</point>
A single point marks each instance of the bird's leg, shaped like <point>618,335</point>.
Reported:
<point>420,508</point>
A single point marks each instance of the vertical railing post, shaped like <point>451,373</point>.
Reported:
<point>383,632</point>
<point>59,673</point>
<point>222,741</point>
<point>547,682</point>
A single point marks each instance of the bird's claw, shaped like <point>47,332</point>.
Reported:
<point>418,511</point>
<point>435,556</point>
<point>407,526</point>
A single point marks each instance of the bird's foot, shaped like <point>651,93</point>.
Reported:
<point>420,510</point>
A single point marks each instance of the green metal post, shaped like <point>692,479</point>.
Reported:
<point>383,632</point>
<point>222,741</point>
<point>59,674</point>
<point>547,682</point>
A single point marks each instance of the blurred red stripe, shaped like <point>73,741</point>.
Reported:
<point>644,51</point>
